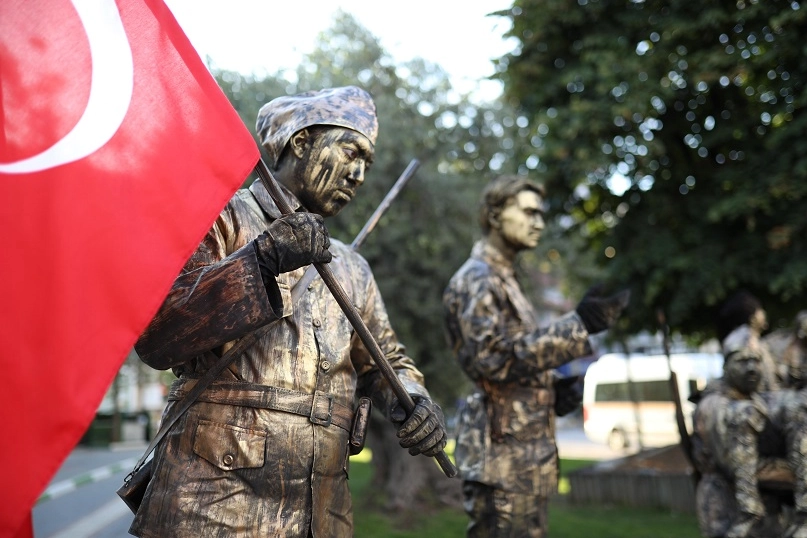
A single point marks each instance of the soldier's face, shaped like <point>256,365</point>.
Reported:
<point>333,168</point>
<point>744,371</point>
<point>522,220</point>
<point>759,320</point>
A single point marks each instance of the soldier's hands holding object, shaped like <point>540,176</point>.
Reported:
<point>424,432</point>
<point>599,312</point>
<point>293,241</point>
<point>568,395</point>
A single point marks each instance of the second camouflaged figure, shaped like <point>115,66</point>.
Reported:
<point>506,450</point>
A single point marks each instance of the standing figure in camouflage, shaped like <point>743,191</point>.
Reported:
<point>506,451</point>
<point>794,356</point>
<point>264,450</point>
<point>728,421</point>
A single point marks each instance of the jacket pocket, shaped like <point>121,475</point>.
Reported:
<point>525,414</point>
<point>229,447</point>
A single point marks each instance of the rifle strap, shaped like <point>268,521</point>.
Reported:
<point>214,371</point>
<point>200,386</point>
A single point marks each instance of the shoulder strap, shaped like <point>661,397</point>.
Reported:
<point>256,205</point>
<point>198,389</point>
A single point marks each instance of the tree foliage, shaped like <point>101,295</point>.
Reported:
<point>673,135</point>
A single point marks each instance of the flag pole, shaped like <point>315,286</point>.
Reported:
<point>354,318</point>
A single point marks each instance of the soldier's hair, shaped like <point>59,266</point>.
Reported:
<point>735,311</point>
<point>499,192</point>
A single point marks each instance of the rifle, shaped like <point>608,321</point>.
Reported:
<point>311,272</point>
<point>686,442</point>
<point>354,318</point>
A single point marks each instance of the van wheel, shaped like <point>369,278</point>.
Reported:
<point>617,440</point>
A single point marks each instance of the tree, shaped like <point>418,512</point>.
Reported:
<point>428,232</point>
<point>673,133</point>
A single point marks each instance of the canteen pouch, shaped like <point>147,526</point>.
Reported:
<point>358,432</point>
<point>134,486</point>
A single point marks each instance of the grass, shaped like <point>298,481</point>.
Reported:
<point>565,520</point>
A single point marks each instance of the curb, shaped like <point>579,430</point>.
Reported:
<point>63,487</point>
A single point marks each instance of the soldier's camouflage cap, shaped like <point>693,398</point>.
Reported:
<point>347,106</point>
<point>740,339</point>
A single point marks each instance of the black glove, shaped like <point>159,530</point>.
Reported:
<point>292,241</point>
<point>568,395</point>
<point>424,432</point>
<point>598,312</point>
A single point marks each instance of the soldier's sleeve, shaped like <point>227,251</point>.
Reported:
<point>490,346</point>
<point>371,381</point>
<point>554,345</point>
<point>218,297</point>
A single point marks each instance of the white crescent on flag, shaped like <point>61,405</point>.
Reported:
<point>92,219</point>
<point>110,90</point>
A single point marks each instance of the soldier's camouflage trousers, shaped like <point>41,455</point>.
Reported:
<point>499,514</point>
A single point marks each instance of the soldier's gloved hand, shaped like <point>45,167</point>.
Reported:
<point>424,432</point>
<point>568,395</point>
<point>599,312</point>
<point>292,241</point>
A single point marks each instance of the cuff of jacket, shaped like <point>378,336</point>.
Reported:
<point>211,306</point>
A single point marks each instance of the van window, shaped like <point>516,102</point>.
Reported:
<point>641,391</point>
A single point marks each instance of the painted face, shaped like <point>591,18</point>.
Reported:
<point>333,169</point>
<point>522,220</point>
<point>743,371</point>
<point>759,320</point>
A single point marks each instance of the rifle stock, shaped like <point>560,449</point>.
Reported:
<point>686,442</point>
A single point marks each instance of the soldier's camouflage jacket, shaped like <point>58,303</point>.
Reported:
<point>725,438</point>
<point>255,456</point>
<point>734,441</point>
<point>506,429</point>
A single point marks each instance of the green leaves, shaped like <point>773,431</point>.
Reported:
<point>698,110</point>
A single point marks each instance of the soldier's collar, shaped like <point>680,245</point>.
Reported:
<point>258,189</point>
<point>486,252</point>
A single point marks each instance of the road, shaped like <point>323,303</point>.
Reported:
<point>80,501</point>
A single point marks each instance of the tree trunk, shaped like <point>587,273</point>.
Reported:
<point>407,482</point>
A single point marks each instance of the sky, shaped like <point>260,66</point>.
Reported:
<point>262,36</point>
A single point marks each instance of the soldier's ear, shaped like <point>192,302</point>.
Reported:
<point>299,142</point>
<point>494,220</point>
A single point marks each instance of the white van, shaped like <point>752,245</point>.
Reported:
<point>627,400</point>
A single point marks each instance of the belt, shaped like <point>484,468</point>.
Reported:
<point>318,407</point>
<point>540,396</point>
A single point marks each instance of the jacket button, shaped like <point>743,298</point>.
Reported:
<point>325,366</point>
<point>228,460</point>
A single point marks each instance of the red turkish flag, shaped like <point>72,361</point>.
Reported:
<point>117,152</point>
